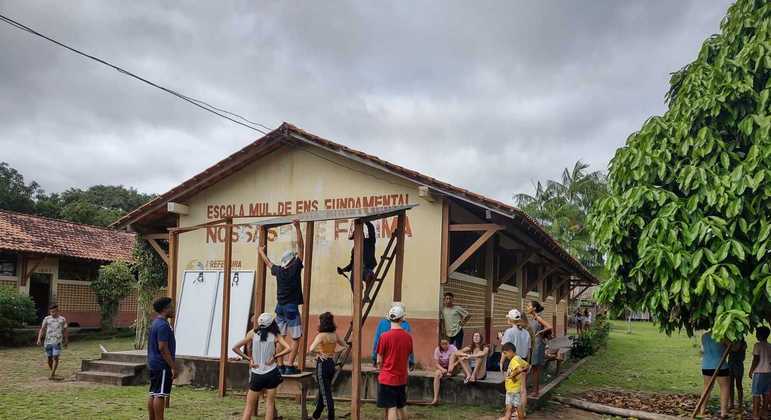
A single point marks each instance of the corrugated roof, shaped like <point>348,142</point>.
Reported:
<point>41,235</point>
<point>288,132</point>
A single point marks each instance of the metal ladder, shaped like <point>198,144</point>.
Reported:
<point>371,292</point>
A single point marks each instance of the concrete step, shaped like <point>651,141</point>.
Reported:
<point>127,357</point>
<point>109,378</point>
<point>128,368</point>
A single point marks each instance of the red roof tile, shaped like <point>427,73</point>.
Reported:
<point>41,235</point>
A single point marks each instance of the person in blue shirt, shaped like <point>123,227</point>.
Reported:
<point>711,362</point>
<point>161,348</point>
<point>385,325</point>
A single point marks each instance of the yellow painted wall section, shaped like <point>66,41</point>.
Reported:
<point>302,178</point>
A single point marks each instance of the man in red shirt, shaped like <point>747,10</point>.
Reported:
<point>393,353</point>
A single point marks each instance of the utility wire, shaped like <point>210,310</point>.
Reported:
<point>233,117</point>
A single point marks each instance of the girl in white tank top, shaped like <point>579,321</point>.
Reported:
<point>264,376</point>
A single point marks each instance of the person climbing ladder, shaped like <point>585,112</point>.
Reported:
<point>368,258</point>
<point>289,297</point>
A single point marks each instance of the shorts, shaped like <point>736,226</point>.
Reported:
<point>720,373</point>
<point>288,320</point>
<point>259,382</point>
<point>390,396</point>
<point>160,382</point>
<point>761,384</point>
<point>513,399</point>
<point>53,350</point>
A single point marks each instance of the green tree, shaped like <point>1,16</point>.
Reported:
<point>16,310</point>
<point>115,282</point>
<point>151,277</point>
<point>686,226</point>
<point>15,193</point>
<point>562,208</point>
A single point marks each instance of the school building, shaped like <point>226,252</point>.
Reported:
<point>490,255</point>
<point>54,261</point>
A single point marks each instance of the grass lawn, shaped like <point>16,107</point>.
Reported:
<point>26,393</point>
<point>646,360</point>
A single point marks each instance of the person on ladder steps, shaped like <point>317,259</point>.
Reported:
<point>289,297</point>
<point>368,259</point>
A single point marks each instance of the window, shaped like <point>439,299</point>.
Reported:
<point>8,264</point>
<point>77,269</point>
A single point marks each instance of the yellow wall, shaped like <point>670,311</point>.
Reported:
<point>308,174</point>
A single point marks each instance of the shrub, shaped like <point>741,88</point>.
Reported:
<point>115,282</point>
<point>589,342</point>
<point>16,310</point>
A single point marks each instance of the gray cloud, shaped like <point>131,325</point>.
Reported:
<point>490,98</point>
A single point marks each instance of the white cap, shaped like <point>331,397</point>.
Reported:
<point>287,258</point>
<point>514,315</point>
<point>396,312</point>
<point>264,320</point>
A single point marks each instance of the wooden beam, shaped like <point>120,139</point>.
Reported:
<point>259,284</point>
<point>228,220</point>
<point>308,264</point>
<point>470,251</point>
<point>158,250</point>
<point>490,277</point>
<point>445,246</point>
<point>225,309</point>
<point>358,245</point>
<point>171,268</point>
<point>162,236</point>
<point>399,268</point>
<point>475,227</point>
<point>518,266</point>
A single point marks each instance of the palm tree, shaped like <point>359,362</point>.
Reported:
<point>562,208</point>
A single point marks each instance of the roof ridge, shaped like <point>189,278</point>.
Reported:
<point>63,221</point>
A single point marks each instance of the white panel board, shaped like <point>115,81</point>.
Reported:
<point>241,287</point>
<point>194,312</point>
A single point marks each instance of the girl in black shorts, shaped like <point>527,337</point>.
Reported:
<point>264,376</point>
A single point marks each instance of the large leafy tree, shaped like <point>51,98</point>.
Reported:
<point>686,226</point>
<point>15,193</point>
<point>562,207</point>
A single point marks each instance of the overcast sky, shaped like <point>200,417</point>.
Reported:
<point>490,96</point>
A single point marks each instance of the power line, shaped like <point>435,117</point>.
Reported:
<point>197,102</point>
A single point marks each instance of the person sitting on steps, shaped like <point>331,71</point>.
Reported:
<point>368,259</point>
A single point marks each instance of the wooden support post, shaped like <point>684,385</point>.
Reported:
<point>445,246</point>
<point>259,284</point>
<point>171,267</point>
<point>519,278</point>
<point>490,279</point>
<point>308,264</point>
<point>226,308</point>
<point>399,269</point>
<point>358,245</point>
<point>542,284</point>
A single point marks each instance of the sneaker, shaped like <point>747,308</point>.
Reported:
<point>282,369</point>
<point>291,370</point>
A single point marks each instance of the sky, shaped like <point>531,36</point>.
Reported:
<point>491,96</point>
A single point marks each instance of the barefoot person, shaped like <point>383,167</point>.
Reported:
<point>736,369</point>
<point>540,329</point>
<point>710,362</point>
<point>264,375</point>
<point>393,353</point>
<point>516,383</point>
<point>54,328</point>
<point>369,263</point>
<point>161,349</point>
<point>325,346</point>
<point>473,358</point>
<point>443,368</point>
<point>760,372</point>
<point>289,297</point>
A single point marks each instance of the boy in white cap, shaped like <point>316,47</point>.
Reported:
<point>516,335</point>
<point>393,353</point>
<point>289,296</point>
